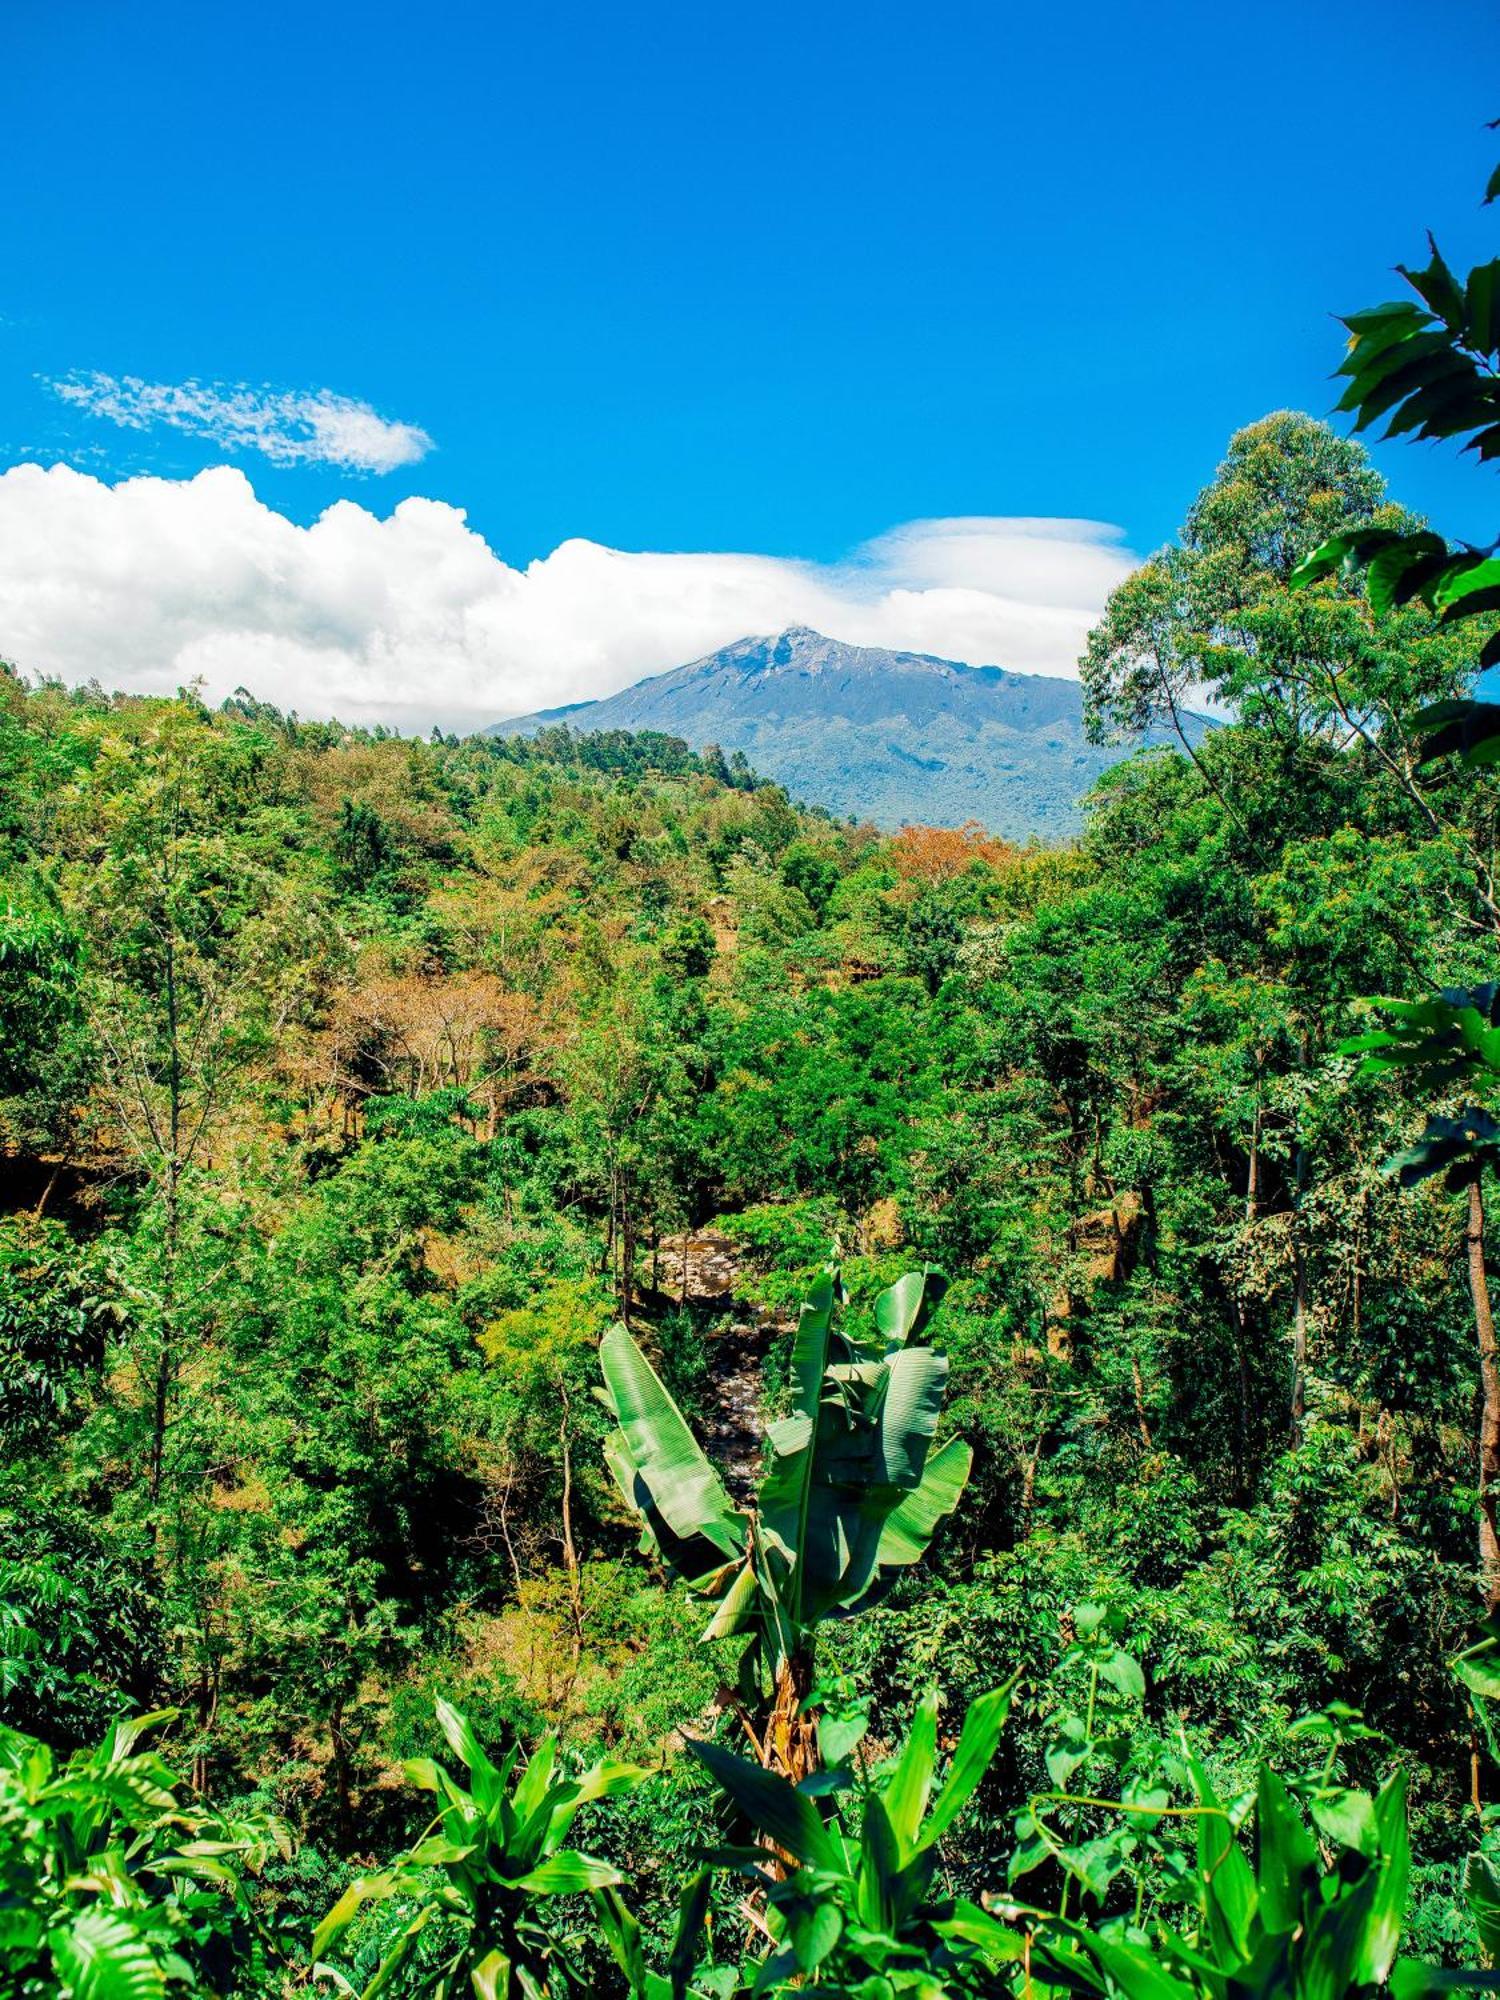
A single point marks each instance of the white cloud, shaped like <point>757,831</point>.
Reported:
<point>414,619</point>
<point>290,427</point>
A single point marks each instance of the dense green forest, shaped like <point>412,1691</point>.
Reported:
<point>1136,1470</point>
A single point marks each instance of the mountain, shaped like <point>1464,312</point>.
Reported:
<point>892,737</point>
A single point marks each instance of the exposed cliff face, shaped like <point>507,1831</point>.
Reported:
<point>893,737</point>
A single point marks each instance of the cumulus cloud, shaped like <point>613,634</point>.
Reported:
<point>414,619</point>
<point>290,427</point>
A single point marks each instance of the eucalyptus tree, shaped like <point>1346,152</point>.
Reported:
<point>852,1493</point>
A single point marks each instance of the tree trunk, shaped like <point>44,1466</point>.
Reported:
<point>1298,1413</point>
<point>790,1744</point>
<point>627,1254</point>
<point>339,1746</point>
<point>569,1547</point>
<point>1139,1387</point>
<point>1489,1384</point>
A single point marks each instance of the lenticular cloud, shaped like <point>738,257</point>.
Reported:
<point>413,619</point>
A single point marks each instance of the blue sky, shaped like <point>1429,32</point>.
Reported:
<point>771,279</point>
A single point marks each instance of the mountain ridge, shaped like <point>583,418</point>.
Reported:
<point>885,735</point>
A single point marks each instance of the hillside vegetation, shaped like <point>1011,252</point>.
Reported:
<point>880,735</point>
<point>355,1087</point>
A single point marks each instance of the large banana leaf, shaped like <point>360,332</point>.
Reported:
<point>910,1526</point>
<point>658,1463</point>
<point>855,1451</point>
<point>903,1310</point>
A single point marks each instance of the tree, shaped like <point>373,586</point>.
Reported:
<point>194,950</point>
<point>853,1493</point>
<point>1429,368</point>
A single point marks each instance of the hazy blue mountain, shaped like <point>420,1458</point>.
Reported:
<point>892,737</point>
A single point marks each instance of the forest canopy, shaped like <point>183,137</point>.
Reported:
<point>840,1409</point>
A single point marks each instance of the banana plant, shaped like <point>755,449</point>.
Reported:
<point>852,1492</point>
<point>482,1875</point>
<point>864,1910</point>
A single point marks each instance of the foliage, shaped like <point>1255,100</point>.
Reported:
<point>866,1902</point>
<point>491,1855</point>
<point>852,1495</point>
<point>112,1885</point>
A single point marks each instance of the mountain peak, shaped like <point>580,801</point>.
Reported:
<point>873,732</point>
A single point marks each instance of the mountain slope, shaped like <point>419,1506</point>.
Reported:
<point>892,737</point>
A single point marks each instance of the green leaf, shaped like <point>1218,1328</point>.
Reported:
<point>1124,1673</point>
<point>910,1527</point>
<point>906,1791</point>
<point>672,1475</point>
<point>879,1866</point>
<point>366,1889</point>
<point>490,1979</point>
<point>1481,1881</point>
<point>1437,287</point>
<point>1228,1886</point>
<point>568,1873</point>
<point>1391,564</point>
<point>737,1607</point>
<point>1287,1853</point>
<point>815,1927</point>
<point>1481,300</point>
<point>101,1956</point>
<point>465,1745</point>
<point>977,1743</point>
<point>1346,1816</point>
<point>1138,1972</point>
<point>1382,1931</point>
<point>773,1806</point>
<point>692,1917</point>
<point>903,1310</point>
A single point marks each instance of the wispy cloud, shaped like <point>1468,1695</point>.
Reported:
<point>290,427</point>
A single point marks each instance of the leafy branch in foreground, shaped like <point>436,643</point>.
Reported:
<point>483,1873</point>
<point>852,1494</point>
<point>113,1886</point>
<point>865,1909</point>
<point>1431,368</point>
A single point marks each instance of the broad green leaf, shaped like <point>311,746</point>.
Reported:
<point>1137,1972</point>
<point>459,1734</point>
<point>692,1917</point>
<point>1382,1932</point>
<point>1346,1816</point>
<point>815,1927</point>
<point>1286,1853</point>
<point>366,1889</point>
<point>101,1956</point>
<point>737,1607</point>
<point>977,1743</point>
<point>490,1979</point>
<point>680,1482</point>
<point>568,1873</point>
<point>915,1382</point>
<point>906,1791</point>
<point>903,1310</point>
<point>910,1527</point>
<point>879,1866</point>
<point>776,1808</point>
<point>1481,1881</point>
<point>1123,1671</point>
<point>1228,1885</point>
